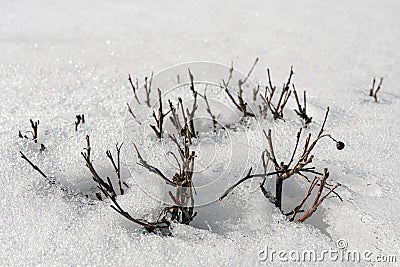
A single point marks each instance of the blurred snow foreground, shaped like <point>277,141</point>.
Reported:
<point>67,58</point>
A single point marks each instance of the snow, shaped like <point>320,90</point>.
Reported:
<point>63,58</point>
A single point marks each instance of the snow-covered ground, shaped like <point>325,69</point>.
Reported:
<point>63,58</point>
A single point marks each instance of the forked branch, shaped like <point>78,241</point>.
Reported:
<point>319,198</point>
<point>302,110</point>
<point>79,119</point>
<point>158,129</point>
<point>117,165</point>
<point>277,110</point>
<point>240,104</point>
<point>373,92</point>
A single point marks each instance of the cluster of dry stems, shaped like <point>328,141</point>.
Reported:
<point>182,211</point>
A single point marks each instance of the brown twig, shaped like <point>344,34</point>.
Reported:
<point>255,92</point>
<point>318,199</point>
<point>208,109</point>
<point>147,88</point>
<point>231,69</point>
<point>161,226</point>
<point>374,93</point>
<point>158,129</point>
<point>242,82</point>
<point>247,177</point>
<point>50,180</point>
<point>277,110</point>
<point>151,168</point>
<point>302,110</point>
<point>134,88</point>
<point>117,166</point>
<point>36,168</point>
<point>133,115</point>
<point>175,119</point>
<point>89,164</point>
<point>79,119</point>
<point>185,130</point>
<point>241,105</point>
<point>190,114</point>
<point>34,132</point>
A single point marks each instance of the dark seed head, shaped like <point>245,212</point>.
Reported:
<point>339,145</point>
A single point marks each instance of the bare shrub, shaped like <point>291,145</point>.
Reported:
<point>284,171</point>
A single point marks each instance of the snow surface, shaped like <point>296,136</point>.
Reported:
<point>60,59</point>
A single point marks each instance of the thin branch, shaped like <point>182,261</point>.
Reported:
<point>374,93</point>
<point>277,110</point>
<point>295,148</point>
<point>133,115</point>
<point>150,227</point>
<point>134,88</point>
<point>34,126</point>
<point>158,129</point>
<point>318,199</point>
<point>241,82</point>
<point>208,109</point>
<point>247,177</point>
<point>147,88</point>
<point>151,168</point>
<point>36,168</point>
<point>79,119</point>
<point>230,76</point>
<point>302,111</point>
<point>298,208</point>
<point>96,177</point>
<point>117,166</point>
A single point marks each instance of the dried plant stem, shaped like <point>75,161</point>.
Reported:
<point>374,93</point>
<point>241,82</point>
<point>147,88</point>
<point>117,166</point>
<point>302,110</point>
<point>151,168</point>
<point>277,110</point>
<point>318,198</point>
<point>34,131</point>
<point>190,114</point>
<point>89,164</point>
<point>208,109</point>
<point>241,105</point>
<point>79,119</point>
<point>36,168</point>
<point>158,129</point>
<point>134,87</point>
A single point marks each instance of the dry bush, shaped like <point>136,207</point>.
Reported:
<point>182,211</point>
<point>284,171</point>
